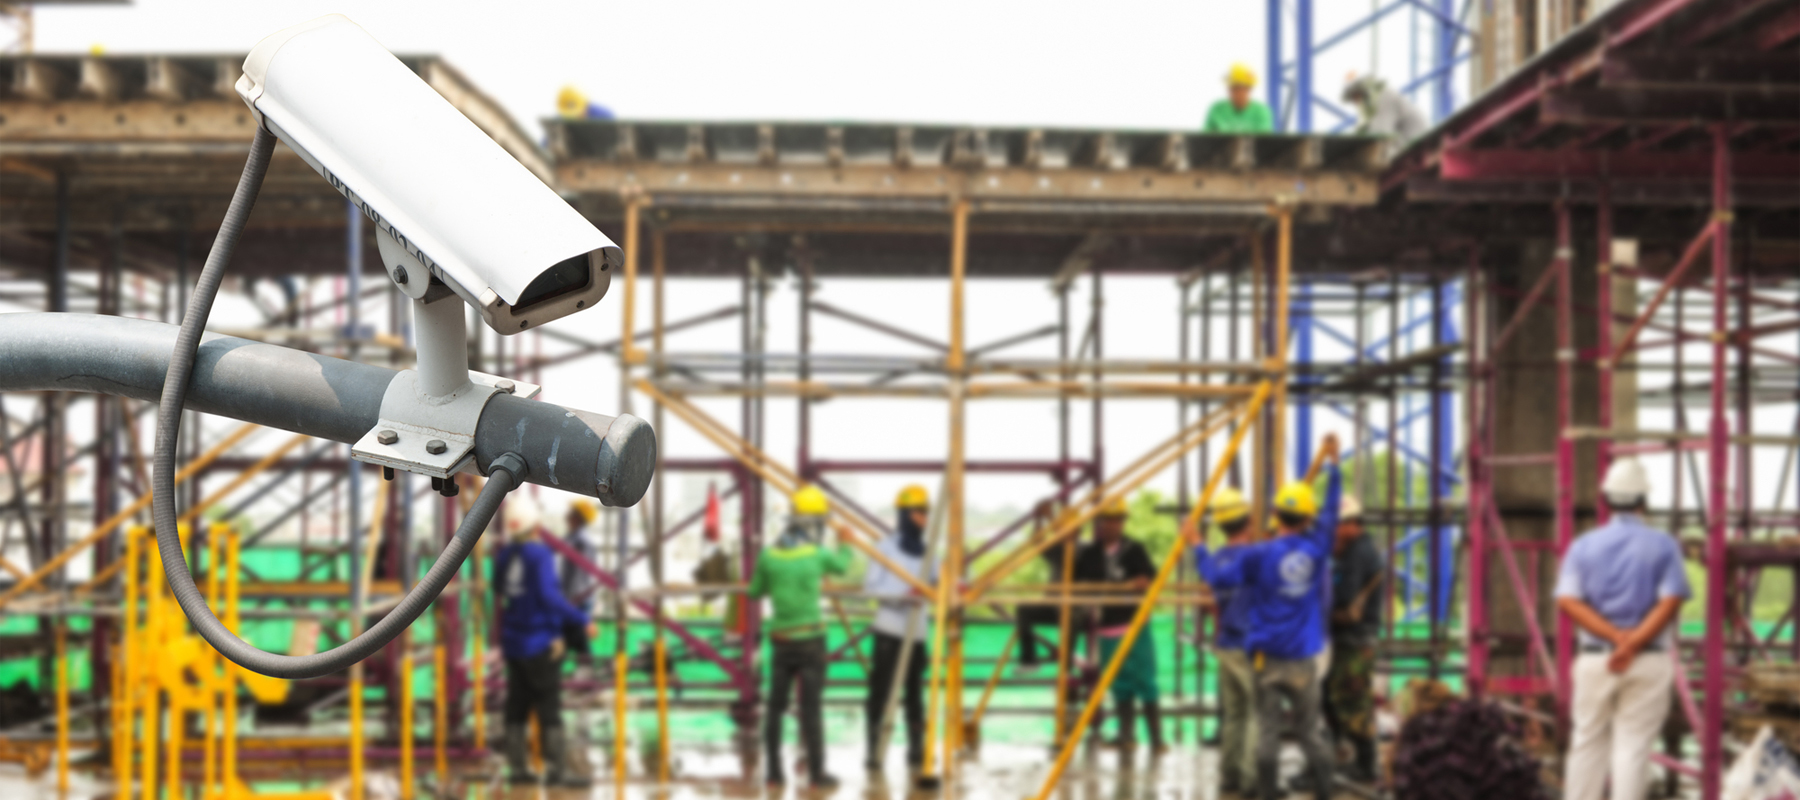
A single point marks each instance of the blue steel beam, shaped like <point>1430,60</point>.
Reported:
<point>1303,74</point>
<point>1303,328</point>
<point>1410,455</point>
<point>1274,61</point>
<point>1414,323</point>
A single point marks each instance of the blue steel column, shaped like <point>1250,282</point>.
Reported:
<point>1272,75</point>
<point>1443,61</point>
<point>1303,65</point>
<point>1444,442</point>
<point>1303,356</point>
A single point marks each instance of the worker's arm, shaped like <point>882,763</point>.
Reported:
<point>838,561</point>
<point>1324,529</point>
<point>1653,624</point>
<point>1633,642</point>
<point>1584,616</point>
<point>549,589</point>
<point>1672,591</point>
<point>759,579</point>
<point>1569,600</point>
<point>1211,125</point>
<point>1139,572</point>
<point>879,582</point>
<point>1223,570</point>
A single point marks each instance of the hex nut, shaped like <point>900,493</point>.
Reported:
<point>387,437</point>
<point>436,447</point>
<point>504,386</point>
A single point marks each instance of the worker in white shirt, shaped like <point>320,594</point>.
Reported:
<point>1623,585</point>
<point>899,601</point>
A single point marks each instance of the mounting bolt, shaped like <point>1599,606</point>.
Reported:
<point>387,437</point>
<point>399,274</point>
<point>504,385</point>
<point>436,447</point>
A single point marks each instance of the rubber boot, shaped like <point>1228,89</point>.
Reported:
<point>556,761</point>
<point>1126,738</point>
<point>1324,785</point>
<point>1268,777</point>
<point>518,763</point>
<point>1153,721</point>
<point>1363,767</point>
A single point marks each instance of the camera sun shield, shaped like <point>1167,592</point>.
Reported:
<point>449,205</point>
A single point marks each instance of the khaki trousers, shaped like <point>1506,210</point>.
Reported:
<point>1237,719</point>
<point>1617,721</point>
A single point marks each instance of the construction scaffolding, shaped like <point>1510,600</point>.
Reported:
<point>1309,278</point>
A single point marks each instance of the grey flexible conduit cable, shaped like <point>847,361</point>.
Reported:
<point>504,476</point>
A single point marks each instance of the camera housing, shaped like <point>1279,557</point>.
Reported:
<point>450,206</point>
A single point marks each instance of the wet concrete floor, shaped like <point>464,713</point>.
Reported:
<point>705,772</point>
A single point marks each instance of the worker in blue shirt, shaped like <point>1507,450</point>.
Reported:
<point>1286,632</point>
<point>533,616</point>
<point>1623,585</point>
<point>1237,682</point>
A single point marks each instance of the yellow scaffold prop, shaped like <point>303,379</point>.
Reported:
<point>167,675</point>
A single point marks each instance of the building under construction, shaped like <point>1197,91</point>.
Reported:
<point>1597,256</point>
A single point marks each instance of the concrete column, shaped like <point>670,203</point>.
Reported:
<point>1525,422</point>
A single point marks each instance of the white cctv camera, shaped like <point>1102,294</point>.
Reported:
<point>449,205</point>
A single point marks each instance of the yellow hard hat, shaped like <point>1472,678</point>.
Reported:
<point>1115,507</point>
<point>586,508</point>
<point>913,496</point>
<point>571,103</point>
<point>1241,75</point>
<point>1228,506</point>
<point>810,502</point>
<point>1297,498</point>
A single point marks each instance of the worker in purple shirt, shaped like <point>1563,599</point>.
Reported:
<point>1622,584</point>
<point>1286,630</point>
<point>533,616</point>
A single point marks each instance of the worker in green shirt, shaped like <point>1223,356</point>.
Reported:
<point>790,574</point>
<point>1239,113</point>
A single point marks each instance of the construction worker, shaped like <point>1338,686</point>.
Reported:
<point>1622,584</point>
<point>1384,111</point>
<point>790,574</point>
<point>899,617</point>
<point>1113,558</point>
<point>1357,574</point>
<point>533,616</point>
<point>577,584</point>
<point>1028,618</point>
<point>1239,112</point>
<point>1286,627</point>
<point>1237,683</point>
<point>572,104</point>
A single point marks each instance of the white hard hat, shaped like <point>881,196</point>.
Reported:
<point>1626,482</point>
<point>522,517</point>
<point>1350,508</point>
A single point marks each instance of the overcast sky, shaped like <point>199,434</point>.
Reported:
<point>1123,64</point>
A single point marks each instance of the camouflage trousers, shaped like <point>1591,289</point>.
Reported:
<point>1350,690</point>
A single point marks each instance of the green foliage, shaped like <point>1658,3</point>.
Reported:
<point>1154,529</point>
<point>1383,463</point>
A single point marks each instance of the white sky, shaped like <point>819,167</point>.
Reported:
<point>1125,64</point>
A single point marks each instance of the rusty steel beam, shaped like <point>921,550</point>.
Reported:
<point>1106,191</point>
<point>1708,104</point>
<point>1733,70</point>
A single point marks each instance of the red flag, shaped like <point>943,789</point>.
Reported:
<point>711,524</point>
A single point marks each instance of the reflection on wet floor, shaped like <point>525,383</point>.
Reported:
<point>727,771</point>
